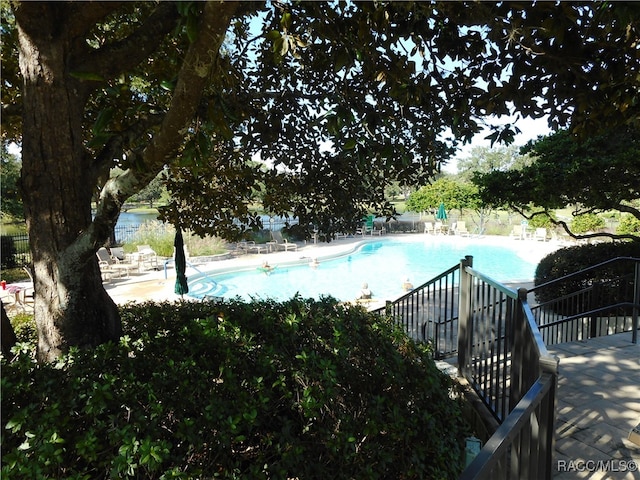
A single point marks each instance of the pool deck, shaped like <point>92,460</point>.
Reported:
<point>153,286</point>
<point>598,404</point>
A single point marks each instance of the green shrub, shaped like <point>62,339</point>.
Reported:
<point>260,236</point>
<point>11,275</point>
<point>542,221</point>
<point>161,236</point>
<point>24,327</point>
<point>198,246</point>
<point>297,232</point>
<point>616,280</point>
<point>629,225</point>
<point>300,389</point>
<point>588,222</point>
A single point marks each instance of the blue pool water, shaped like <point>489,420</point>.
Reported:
<point>384,265</point>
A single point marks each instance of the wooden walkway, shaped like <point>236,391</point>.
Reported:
<point>598,404</point>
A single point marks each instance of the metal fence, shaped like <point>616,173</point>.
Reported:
<point>429,313</point>
<point>14,250</point>
<point>500,342</point>
<point>15,247</point>
<point>603,307</point>
<point>501,355</point>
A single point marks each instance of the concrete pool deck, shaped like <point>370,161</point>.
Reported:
<point>153,286</point>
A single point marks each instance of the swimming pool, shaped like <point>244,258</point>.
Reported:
<point>383,264</point>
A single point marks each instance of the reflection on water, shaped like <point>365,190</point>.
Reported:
<point>131,218</point>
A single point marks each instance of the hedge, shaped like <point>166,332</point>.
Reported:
<point>300,389</point>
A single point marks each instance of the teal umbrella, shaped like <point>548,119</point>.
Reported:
<point>181,265</point>
<point>441,214</point>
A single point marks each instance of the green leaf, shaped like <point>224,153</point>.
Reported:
<point>167,85</point>
<point>286,20</point>
<point>14,426</point>
<point>350,144</point>
<point>104,118</point>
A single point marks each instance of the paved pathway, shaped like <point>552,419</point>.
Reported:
<point>598,404</point>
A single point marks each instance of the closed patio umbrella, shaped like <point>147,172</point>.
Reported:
<point>181,265</point>
<point>441,214</point>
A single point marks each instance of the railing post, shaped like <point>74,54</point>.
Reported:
<point>388,308</point>
<point>594,303</point>
<point>520,367</point>
<point>549,372</point>
<point>464,317</point>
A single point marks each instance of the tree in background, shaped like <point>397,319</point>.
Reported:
<point>152,192</point>
<point>447,190</point>
<point>204,87</point>
<point>595,175</point>
<point>587,222</point>
<point>484,159</point>
<point>11,203</point>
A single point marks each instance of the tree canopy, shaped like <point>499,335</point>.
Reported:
<point>599,174</point>
<point>338,100</point>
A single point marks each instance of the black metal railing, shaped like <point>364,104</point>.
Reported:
<point>429,313</point>
<point>15,250</point>
<point>500,342</point>
<point>604,307</point>
<point>502,356</point>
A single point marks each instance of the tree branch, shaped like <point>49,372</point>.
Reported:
<point>117,145</point>
<point>575,236</point>
<point>121,56</point>
<point>193,77</point>
<point>82,16</point>
<point>629,209</point>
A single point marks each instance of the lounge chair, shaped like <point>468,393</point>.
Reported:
<point>377,231</point>
<point>517,232</point>
<point>461,229</point>
<point>428,227</point>
<point>438,228</point>
<point>282,243</point>
<point>540,234</point>
<point>147,257</point>
<point>367,227</point>
<point>257,248</point>
<point>242,247</point>
<point>110,265</point>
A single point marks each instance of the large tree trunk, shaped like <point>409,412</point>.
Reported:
<point>59,174</point>
<point>71,305</point>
